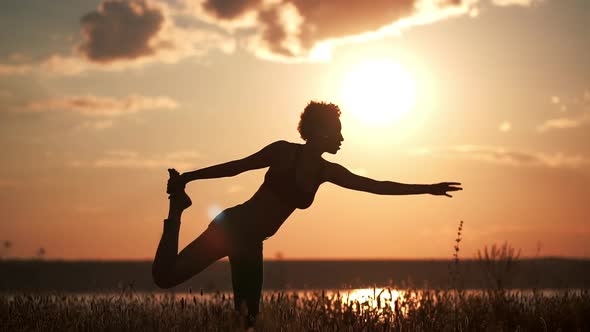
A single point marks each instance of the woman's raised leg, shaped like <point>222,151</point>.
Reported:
<point>171,268</point>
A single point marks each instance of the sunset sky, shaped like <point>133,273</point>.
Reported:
<point>99,98</point>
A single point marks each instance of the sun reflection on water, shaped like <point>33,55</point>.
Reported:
<point>375,299</point>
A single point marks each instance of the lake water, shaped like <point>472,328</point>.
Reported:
<point>365,298</point>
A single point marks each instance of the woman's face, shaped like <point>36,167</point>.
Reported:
<point>331,137</point>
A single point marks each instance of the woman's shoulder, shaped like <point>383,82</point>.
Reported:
<point>282,151</point>
<point>329,167</point>
<point>278,146</point>
<point>283,142</point>
<point>328,163</point>
<point>284,145</point>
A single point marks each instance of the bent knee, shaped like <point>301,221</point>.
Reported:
<point>163,282</point>
<point>163,279</point>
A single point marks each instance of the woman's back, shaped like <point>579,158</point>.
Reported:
<point>293,179</point>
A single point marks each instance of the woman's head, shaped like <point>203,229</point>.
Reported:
<point>320,123</point>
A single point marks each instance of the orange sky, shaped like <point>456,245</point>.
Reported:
<point>90,120</point>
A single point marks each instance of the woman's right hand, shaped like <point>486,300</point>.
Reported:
<point>442,188</point>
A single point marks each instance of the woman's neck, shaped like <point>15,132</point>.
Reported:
<point>312,151</point>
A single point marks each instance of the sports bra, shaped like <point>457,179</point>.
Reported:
<point>282,182</point>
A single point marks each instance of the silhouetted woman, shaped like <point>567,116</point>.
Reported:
<point>294,175</point>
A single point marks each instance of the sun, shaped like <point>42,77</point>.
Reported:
<point>378,92</point>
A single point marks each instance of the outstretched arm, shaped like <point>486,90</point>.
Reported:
<point>341,176</point>
<point>257,160</point>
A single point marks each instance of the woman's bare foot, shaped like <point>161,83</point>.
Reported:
<point>179,200</point>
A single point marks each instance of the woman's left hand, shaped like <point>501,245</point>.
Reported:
<point>176,182</point>
<point>440,189</point>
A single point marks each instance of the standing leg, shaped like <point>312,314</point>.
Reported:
<point>246,272</point>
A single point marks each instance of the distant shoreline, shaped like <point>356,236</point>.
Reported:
<point>89,276</point>
<point>271,259</point>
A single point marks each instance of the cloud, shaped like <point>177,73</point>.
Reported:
<point>228,15</point>
<point>503,156</point>
<point>129,31</point>
<point>52,65</point>
<point>15,69</point>
<point>570,122</point>
<point>523,3</point>
<point>102,106</point>
<point>123,34</point>
<point>125,159</point>
<point>120,34</point>
<point>576,110</point>
<point>299,30</point>
<point>121,30</point>
<point>303,30</point>
<point>228,10</point>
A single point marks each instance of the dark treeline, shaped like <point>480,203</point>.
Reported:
<point>101,276</point>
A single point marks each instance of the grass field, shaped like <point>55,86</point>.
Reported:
<point>385,310</point>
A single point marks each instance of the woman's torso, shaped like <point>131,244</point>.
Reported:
<point>291,182</point>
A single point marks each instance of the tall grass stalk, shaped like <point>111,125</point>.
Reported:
<point>429,310</point>
<point>498,264</point>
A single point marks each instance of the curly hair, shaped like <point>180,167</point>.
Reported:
<point>317,115</point>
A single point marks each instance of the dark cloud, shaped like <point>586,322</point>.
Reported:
<point>224,9</point>
<point>291,28</point>
<point>273,33</point>
<point>341,18</point>
<point>122,34</point>
<point>120,30</point>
